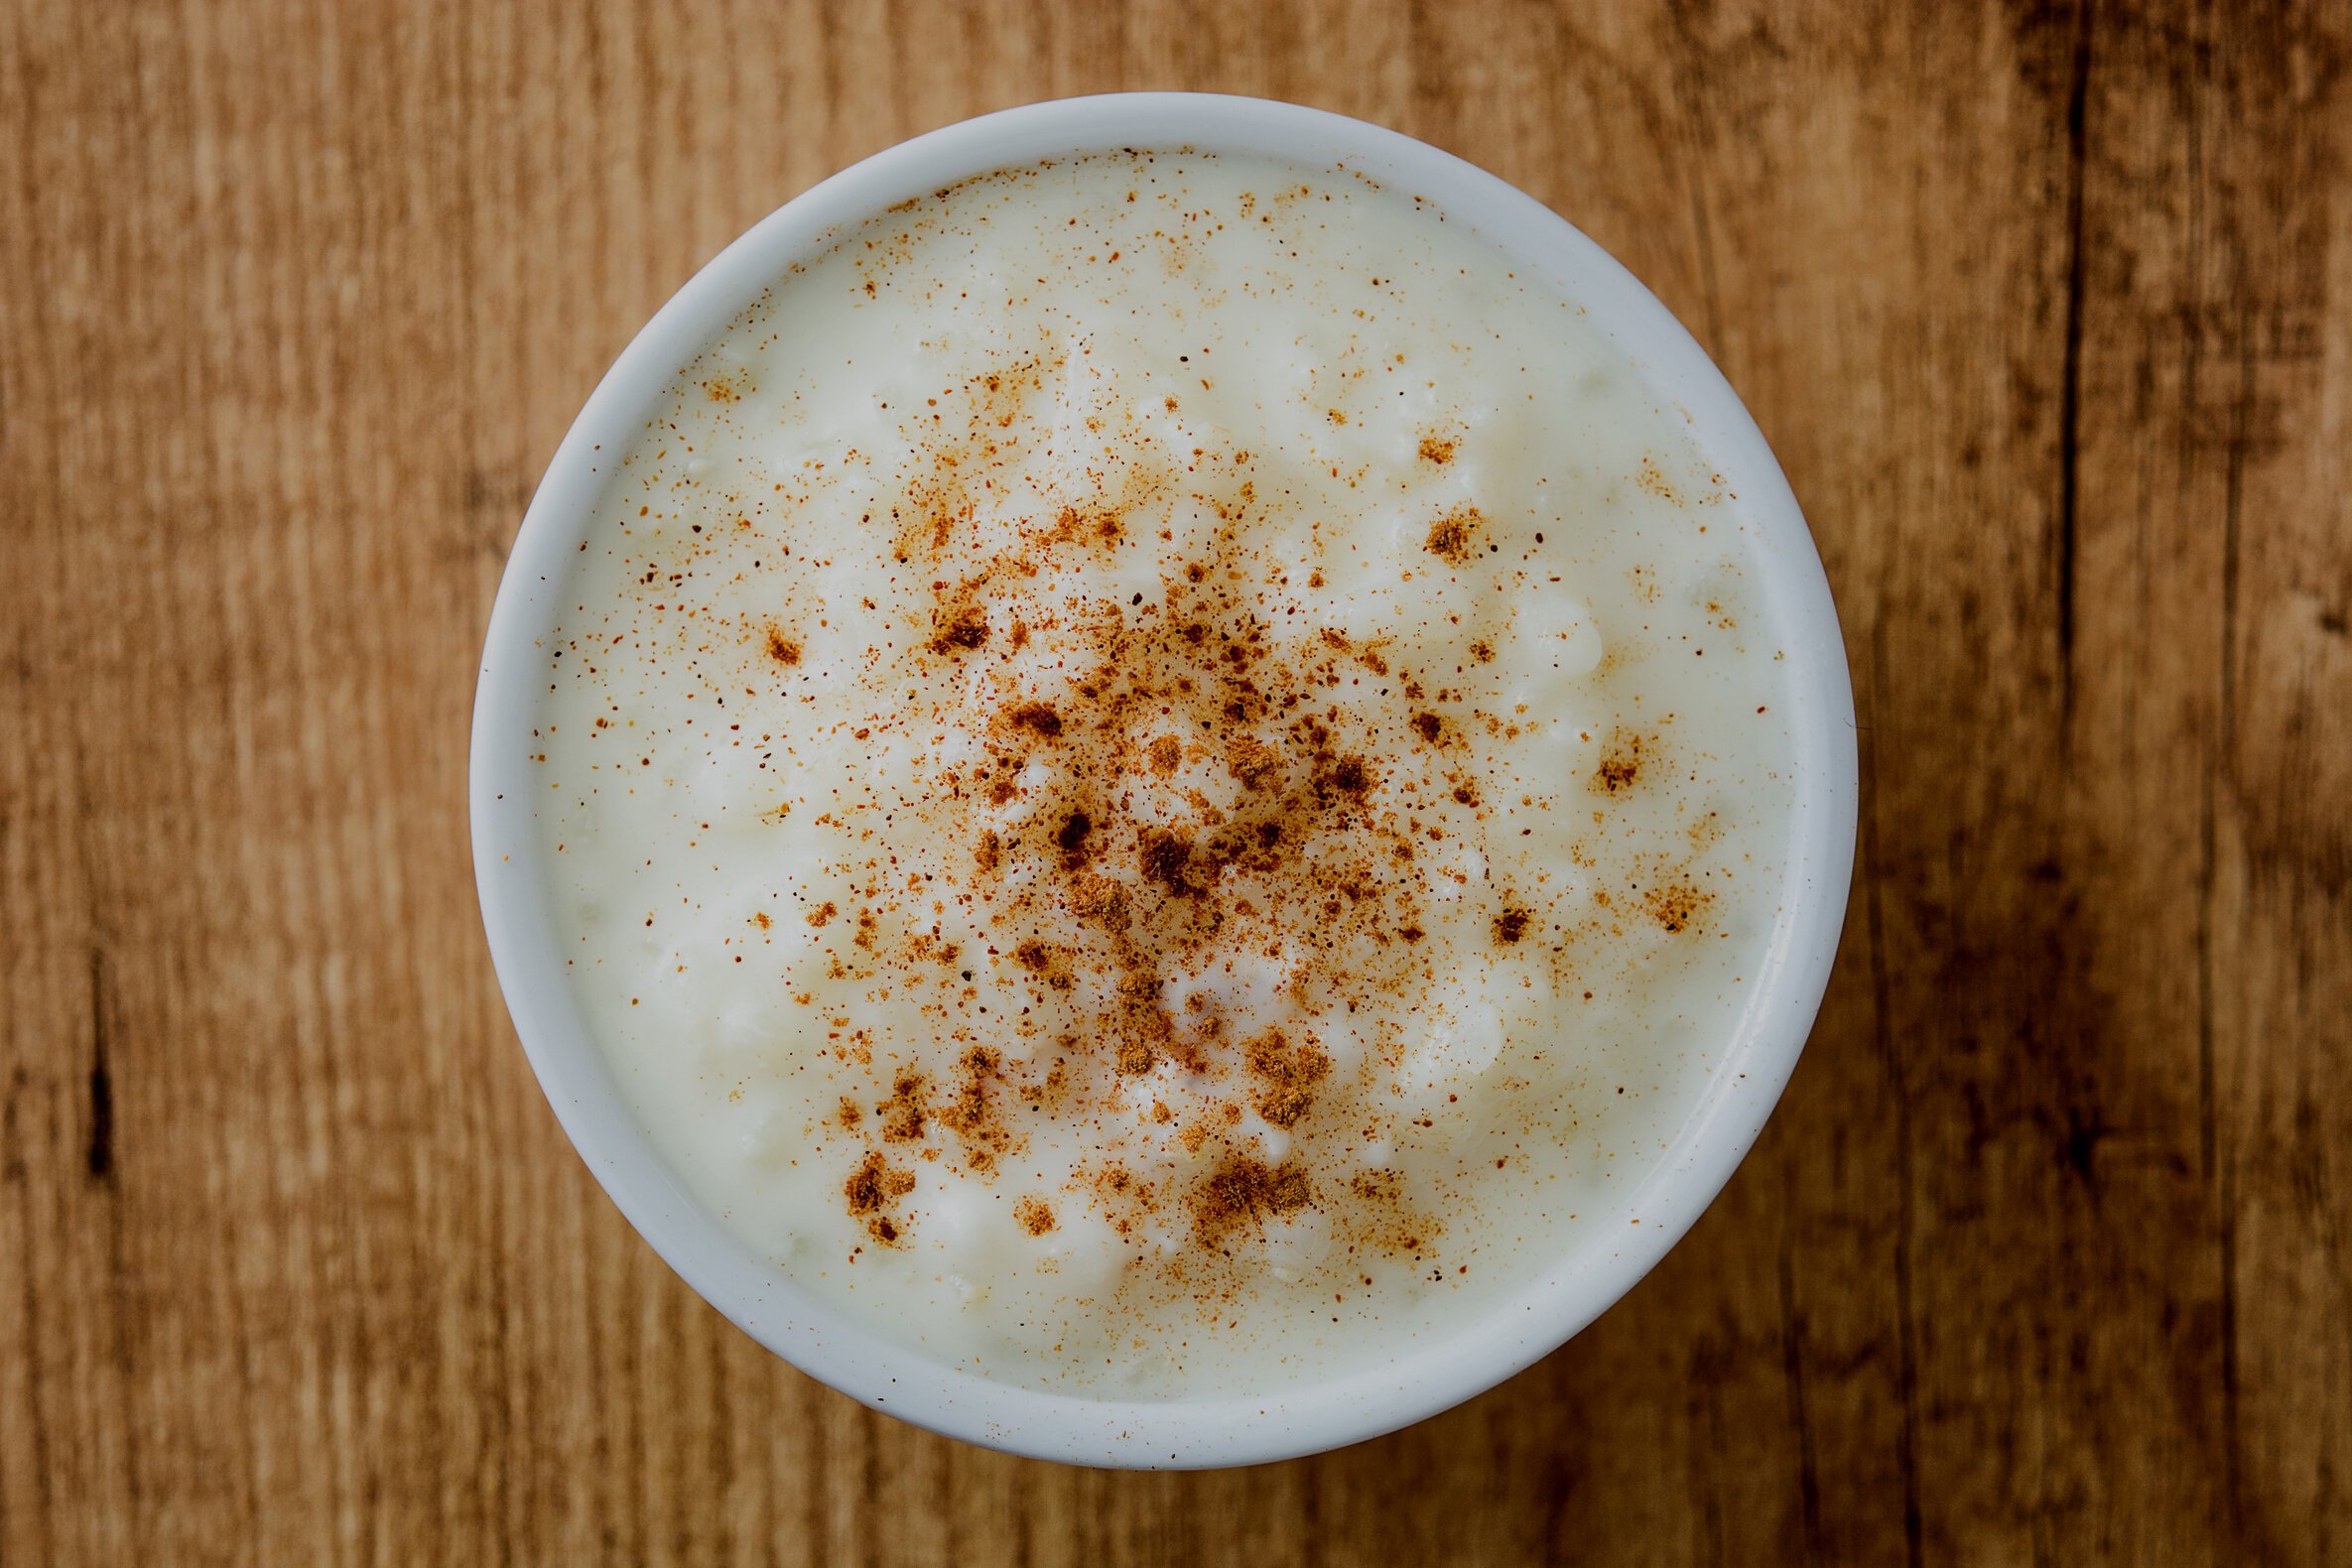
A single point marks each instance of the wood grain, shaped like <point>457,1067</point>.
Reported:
<point>2046,1257</point>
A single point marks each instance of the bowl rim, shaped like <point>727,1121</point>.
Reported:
<point>1284,1421</point>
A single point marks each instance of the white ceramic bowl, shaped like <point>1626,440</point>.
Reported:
<point>1229,1426</point>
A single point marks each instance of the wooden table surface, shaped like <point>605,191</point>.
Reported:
<point>2047,1253</point>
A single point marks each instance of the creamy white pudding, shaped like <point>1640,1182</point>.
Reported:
<point>1163,776</point>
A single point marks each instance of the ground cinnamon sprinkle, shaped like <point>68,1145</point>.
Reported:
<point>1034,1216</point>
<point>1038,716</point>
<point>1389,1220</point>
<point>903,1113</point>
<point>1350,775</point>
<point>1453,537</point>
<point>1675,906</point>
<point>1167,860</point>
<point>782,648</point>
<point>1621,763</point>
<point>1511,925</point>
<point>1100,900</point>
<point>1073,836</point>
<point>1075,523</point>
<point>964,628</point>
<point>1287,1074</point>
<point>972,1112</point>
<point>1242,1191</point>
<point>1437,450</point>
<point>1256,764</point>
<point>872,1186</point>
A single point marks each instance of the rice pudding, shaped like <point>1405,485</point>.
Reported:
<point>1162,775</point>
